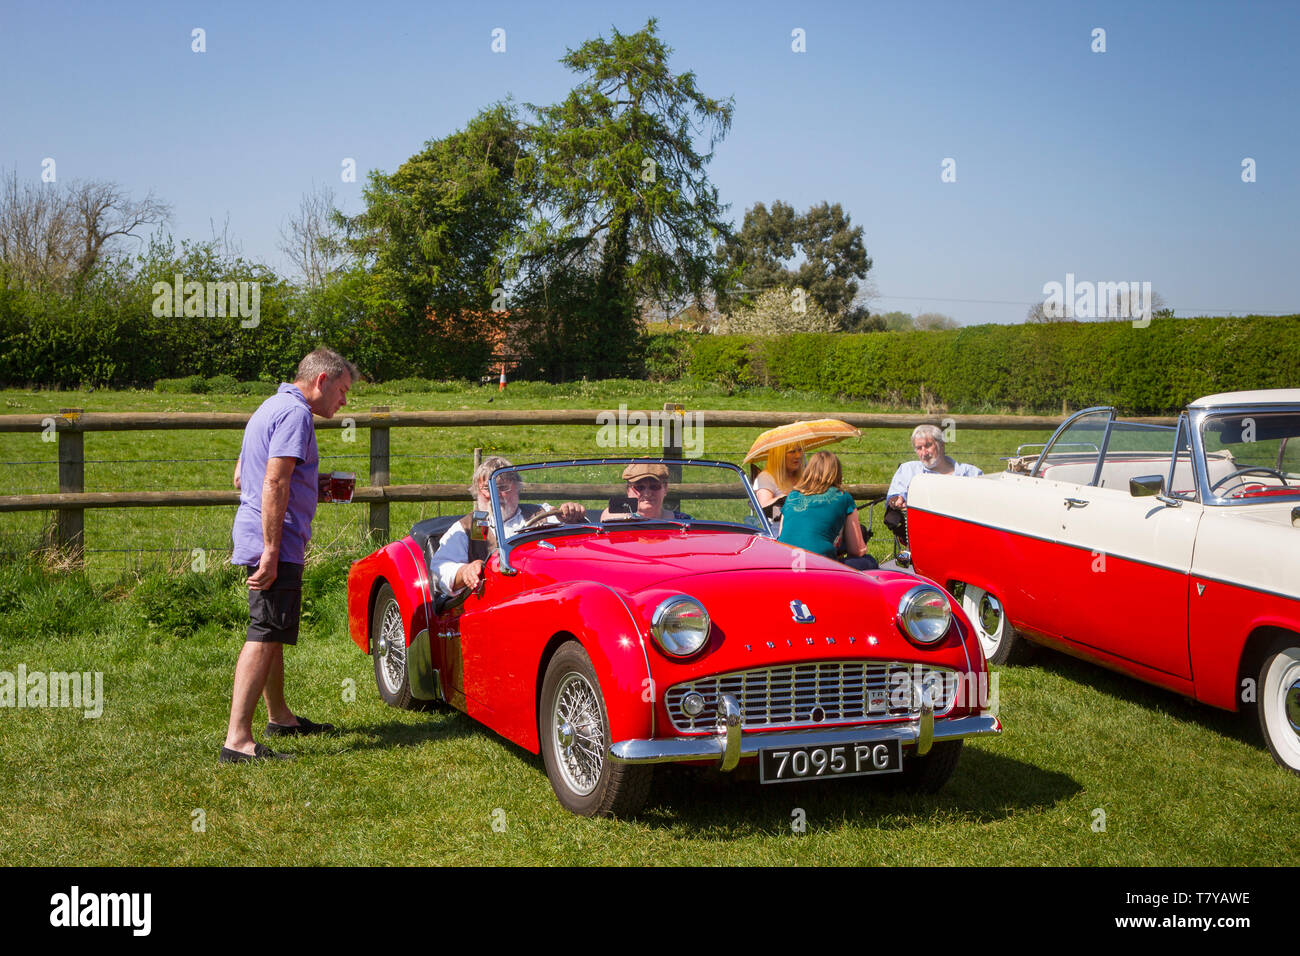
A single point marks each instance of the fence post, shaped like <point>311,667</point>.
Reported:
<point>478,458</point>
<point>379,471</point>
<point>70,537</point>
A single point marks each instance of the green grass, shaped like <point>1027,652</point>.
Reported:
<point>138,538</point>
<point>1179,784</point>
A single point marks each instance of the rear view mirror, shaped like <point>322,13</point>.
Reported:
<point>478,530</point>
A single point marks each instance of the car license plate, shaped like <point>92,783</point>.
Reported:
<point>839,760</point>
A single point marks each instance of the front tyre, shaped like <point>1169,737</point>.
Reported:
<point>388,649</point>
<point>1278,706</point>
<point>999,640</point>
<point>574,730</point>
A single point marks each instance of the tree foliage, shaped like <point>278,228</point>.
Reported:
<point>818,250</point>
<point>614,168</point>
<point>53,235</point>
<point>433,236</point>
<point>777,312</point>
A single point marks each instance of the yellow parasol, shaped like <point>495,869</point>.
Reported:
<point>806,435</point>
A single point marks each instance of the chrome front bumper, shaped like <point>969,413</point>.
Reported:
<point>731,743</point>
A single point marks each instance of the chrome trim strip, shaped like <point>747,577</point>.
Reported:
<point>682,749</point>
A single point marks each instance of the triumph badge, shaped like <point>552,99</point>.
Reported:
<point>800,612</point>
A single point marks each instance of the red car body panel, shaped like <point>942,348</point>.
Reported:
<point>602,589</point>
<point>1066,621</point>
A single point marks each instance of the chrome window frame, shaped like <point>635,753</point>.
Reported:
<point>1197,418</point>
<point>674,469</point>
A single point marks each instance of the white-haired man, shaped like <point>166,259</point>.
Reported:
<point>458,562</point>
<point>927,442</point>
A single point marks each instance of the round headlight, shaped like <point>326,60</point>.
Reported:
<point>924,614</point>
<point>680,625</point>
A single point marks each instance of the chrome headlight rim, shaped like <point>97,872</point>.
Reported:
<point>679,643</point>
<point>912,626</point>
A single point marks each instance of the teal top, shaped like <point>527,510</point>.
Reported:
<point>813,522</point>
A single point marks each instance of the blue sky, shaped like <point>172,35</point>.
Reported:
<point>1115,166</point>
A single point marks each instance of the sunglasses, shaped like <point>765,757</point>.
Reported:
<point>646,486</point>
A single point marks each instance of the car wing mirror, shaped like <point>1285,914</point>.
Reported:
<point>1147,486</point>
<point>1151,486</point>
<point>478,526</point>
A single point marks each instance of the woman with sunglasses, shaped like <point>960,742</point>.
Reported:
<point>782,469</point>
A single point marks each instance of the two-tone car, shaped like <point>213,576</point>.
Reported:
<point>1168,552</point>
<point>616,642</point>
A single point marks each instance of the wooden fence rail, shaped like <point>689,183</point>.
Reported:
<point>70,425</point>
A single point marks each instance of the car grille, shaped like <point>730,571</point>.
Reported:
<point>812,694</point>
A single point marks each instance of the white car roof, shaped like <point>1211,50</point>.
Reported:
<point>1261,396</point>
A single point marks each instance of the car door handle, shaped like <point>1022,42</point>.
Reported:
<point>1075,503</point>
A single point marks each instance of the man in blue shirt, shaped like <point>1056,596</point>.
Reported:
<point>927,442</point>
<point>277,475</point>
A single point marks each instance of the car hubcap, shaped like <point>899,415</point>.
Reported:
<point>985,613</point>
<point>392,648</point>
<point>1293,705</point>
<point>579,737</point>
<point>990,613</point>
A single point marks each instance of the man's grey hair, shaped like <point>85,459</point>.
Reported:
<point>486,467</point>
<point>327,361</point>
<point>928,431</point>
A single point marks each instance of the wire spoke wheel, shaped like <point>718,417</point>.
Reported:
<point>392,638</point>
<point>578,735</point>
<point>573,725</point>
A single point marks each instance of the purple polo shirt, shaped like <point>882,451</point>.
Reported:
<point>280,428</point>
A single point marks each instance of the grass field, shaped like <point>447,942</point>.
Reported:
<point>1093,768</point>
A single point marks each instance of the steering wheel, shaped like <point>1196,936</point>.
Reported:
<point>1271,472</point>
<point>537,520</point>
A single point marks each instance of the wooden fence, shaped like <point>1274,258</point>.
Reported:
<point>71,424</point>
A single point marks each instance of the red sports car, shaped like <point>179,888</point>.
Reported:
<point>683,632</point>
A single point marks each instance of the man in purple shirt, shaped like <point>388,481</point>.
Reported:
<point>277,477</point>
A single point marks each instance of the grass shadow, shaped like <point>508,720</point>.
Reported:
<point>1122,687</point>
<point>440,726</point>
<point>986,787</point>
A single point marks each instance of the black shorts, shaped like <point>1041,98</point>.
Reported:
<point>273,613</point>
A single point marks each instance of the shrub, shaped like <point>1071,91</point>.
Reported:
<point>223,384</point>
<point>189,385</point>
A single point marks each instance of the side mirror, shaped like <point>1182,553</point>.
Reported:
<point>1152,486</point>
<point>478,528</point>
<point>1147,486</point>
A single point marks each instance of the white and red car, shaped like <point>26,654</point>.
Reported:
<point>1170,553</point>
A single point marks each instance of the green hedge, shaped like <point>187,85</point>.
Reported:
<point>1152,370</point>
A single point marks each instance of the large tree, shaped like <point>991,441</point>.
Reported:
<point>51,234</point>
<point>820,251</point>
<point>615,169</point>
<point>433,236</point>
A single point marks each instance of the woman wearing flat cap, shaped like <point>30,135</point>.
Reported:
<point>647,483</point>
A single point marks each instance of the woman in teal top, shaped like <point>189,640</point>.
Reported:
<point>817,512</point>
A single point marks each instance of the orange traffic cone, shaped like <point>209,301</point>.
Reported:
<point>502,386</point>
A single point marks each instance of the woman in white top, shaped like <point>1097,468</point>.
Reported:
<point>783,468</point>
